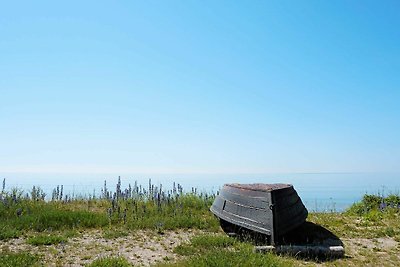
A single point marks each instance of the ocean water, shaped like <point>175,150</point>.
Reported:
<point>319,191</point>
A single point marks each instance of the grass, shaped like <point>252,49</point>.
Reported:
<point>50,222</point>
<point>46,239</point>
<point>131,209</point>
<point>187,211</point>
<point>243,256</point>
<point>19,260</point>
<point>40,216</point>
<point>204,243</point>
<point>114,233</point>
<point>116,214</point>
<point>365,219</point>
<point>6,232</point>
<point>220,250</point>
<point>110,262</point>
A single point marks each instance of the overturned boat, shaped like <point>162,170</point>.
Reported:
<point>267,209</point>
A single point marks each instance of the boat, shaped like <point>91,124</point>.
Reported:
<point>267,209</point>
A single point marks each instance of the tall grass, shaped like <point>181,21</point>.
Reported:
<point>135,207</point>
<point>27,214</point>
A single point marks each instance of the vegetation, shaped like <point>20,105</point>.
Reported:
<point>132,208</point>
<point>18,260</point>
<point>110,262</point>
<point>7,232</point>
<point>221,250</point>
<point>371,203</point>
<point>46,239</point>
<point>50,221</point>
<point>373,217</point>
<point>203,243</point>
<point>114,233</point>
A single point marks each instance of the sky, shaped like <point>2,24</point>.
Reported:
<point>199,86</point>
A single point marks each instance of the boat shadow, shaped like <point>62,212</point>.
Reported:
<point>310,233</point>
<point>319,243</point>
<point>308,241</point>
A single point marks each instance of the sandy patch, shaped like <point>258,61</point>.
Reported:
<point>140,247</point>
<point>382,243</point>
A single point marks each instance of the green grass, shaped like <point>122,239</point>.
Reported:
<point>375,202</point>
<point>18,260</point>
<point>244,256</point>
<point>40,216</point>
<point>46,239</point>
<point>220,250</point>
<point>114,233</point>
<point>116,215</point>
<point>110,262</point>
<point>363,219</point>
<point>20,214</point>
<point>187,211</point>
<point>6,232</point>
<point>203,243</point>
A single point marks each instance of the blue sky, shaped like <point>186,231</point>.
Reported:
<point>199,86</point>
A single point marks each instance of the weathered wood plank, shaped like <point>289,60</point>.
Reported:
<point>324,251</point>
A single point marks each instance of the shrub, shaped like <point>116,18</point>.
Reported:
<point>373,203</point>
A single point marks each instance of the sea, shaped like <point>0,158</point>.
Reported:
<point>322,192</point>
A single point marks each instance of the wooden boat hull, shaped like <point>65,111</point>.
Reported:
<point>269,209</point>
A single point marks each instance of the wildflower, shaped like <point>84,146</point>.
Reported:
<point>125,210</point>
<point>19,212</point>
<point>382,206</point>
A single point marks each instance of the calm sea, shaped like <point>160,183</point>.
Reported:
<point>319,191</point>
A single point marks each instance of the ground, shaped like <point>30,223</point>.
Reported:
<point>148,247</point>
<point>139,248</point>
